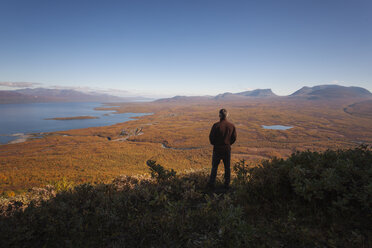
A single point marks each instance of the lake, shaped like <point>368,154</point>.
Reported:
<point>16,119</point>
<point>276,127</point>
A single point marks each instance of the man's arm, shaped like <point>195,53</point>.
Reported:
<point>212,136</point>
<point>233,136</point>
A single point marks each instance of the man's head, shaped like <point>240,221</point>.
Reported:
<point>223,114</point>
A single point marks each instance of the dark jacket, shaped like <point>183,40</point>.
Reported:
<point>222,136</point>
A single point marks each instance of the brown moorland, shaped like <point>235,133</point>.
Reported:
<point>176,136</point>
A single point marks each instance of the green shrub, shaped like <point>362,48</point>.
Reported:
<point>62,185</point>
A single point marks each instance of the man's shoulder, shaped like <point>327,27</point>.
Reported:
<point>217,123</point>
<point>229,123</point>
<point>224,122</point>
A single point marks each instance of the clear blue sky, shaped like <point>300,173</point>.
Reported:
<point>187,47</point>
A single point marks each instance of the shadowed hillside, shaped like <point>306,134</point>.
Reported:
<point>363,108</point>
<point>308,200</point>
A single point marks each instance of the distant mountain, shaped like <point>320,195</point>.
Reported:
<point>331,91</point>
<point>251,93</point>
<point>15,97</point>
<point>185,99</point>
<point>57,95</point>
<point>312,93</point>
<point>258,93</point>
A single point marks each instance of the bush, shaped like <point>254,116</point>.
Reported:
<point>62,185</point>
<point>308,200</point>
<point>331,190</point>
<point>158,171</point>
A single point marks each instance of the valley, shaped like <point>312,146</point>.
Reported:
<point>176,135</point>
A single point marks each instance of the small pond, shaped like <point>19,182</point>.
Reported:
<point>276,127</point>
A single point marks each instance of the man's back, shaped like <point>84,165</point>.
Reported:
<point>222,135</point>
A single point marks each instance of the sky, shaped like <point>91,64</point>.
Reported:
<point>190,47</point>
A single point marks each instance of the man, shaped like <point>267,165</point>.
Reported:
<point>222,136</point>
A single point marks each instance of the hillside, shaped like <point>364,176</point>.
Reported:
<point>308,200</point>
<point>331,91</point>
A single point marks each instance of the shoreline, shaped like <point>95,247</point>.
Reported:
<point>23,137</point>
<point>85,117</point>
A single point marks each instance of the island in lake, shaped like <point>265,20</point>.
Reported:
<point>73,118</point>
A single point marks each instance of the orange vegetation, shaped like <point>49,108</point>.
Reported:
<point>176,136</point>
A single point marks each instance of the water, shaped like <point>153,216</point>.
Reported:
<point>16,119</point>
<point>276,127</point>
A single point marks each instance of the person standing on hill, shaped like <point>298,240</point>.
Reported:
<point>222,136</point>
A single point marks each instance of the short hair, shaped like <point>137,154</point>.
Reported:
<point>223,113</point>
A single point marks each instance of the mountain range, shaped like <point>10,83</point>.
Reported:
<point>310,93</point>
<point>319,92</point>
<point>30,95</point>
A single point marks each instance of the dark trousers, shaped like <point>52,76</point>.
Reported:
<point>216,159</point>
